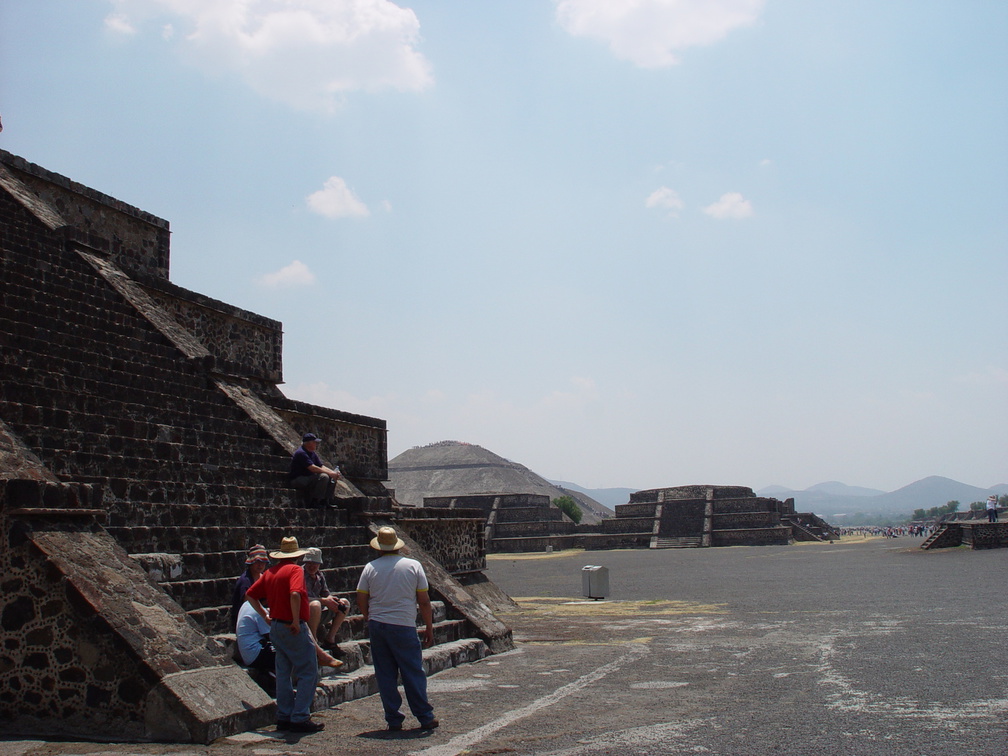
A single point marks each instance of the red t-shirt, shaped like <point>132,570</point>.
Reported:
<point>276,585</point>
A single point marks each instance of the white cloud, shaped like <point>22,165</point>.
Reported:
<point>306,53</point>
<point>295,274</point>
<point>119,24</point>
<point>665,199</point>
<point>650,33</point>
<point>336,200</point>
<point>731,206</point>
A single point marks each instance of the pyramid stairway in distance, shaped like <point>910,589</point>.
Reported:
<point>143,448</point>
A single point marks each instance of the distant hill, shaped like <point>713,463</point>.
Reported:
<point>834,501</point>
<point>451,468</point>
<point>609,497</point>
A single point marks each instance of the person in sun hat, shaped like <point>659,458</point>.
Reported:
<point>315,481</point>
<point>992,513</point>
<point>282,586</point>
<point>388,593</point>
<point>255,563</point>
<point>319,599</point>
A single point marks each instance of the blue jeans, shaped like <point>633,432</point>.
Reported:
<point>296,666</point>
<point>395,651</point>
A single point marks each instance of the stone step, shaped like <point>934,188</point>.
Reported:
<point>683,542</point>
<point>183,540</point>
<point>360,682</point>
<point>162,567</point>
<point>352,630</point>
<point>194,594</point>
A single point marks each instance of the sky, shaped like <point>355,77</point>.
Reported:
<point>625,243</point>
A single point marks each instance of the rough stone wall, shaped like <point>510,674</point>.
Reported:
<point>627,524</point>
<point>743,520</point>
<point>682,519</point>
<point>532,528</point>
<point>779,536</point>
<point>247,343</point>
<point>985,535</point>
<point>137,240</point>
<point>456,543</point>
<point>61,672</point>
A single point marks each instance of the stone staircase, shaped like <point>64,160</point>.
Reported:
<point>141,426</point>
<point>681,542</point>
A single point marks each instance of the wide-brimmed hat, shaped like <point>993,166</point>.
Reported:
<point>387,540</point>
<point>257,554</point>
<point>288,549</point>
<point>314,555</point>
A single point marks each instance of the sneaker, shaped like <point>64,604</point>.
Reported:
<point>306,726</point>
<point>432,725</point>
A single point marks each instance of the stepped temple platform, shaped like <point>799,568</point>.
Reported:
<point>660,518</point>
<point>144,443</point>
<point>977,534</point>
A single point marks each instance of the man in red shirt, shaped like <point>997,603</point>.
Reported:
<point>282,586</point>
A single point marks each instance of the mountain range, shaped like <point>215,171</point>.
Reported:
<point>450,468</point>
<point>835,501</point>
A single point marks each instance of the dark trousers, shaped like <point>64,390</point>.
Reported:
<point>316,489</point>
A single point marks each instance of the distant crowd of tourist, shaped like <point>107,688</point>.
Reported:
<point>893,531</point>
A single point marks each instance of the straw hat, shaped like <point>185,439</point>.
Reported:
<point>387,540</point>
<point>288,549</point>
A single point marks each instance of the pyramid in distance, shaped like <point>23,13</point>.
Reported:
<point>453,468</point>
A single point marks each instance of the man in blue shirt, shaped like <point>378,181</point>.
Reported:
<point>309,476</point>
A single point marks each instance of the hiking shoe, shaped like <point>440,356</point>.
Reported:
<point>306,726</point>
<point>432,725</point>
<point>282,724</point>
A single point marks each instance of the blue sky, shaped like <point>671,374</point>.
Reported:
<point>634,244</point>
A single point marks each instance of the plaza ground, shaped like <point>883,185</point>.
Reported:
<point>863,647</point>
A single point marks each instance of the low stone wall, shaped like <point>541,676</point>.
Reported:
<point>985,535</point>
<point>247,343</point>
<point>529,514</point>
<point>532,528</point>
<point>457,543</point>
<point>744,520</point>
<point>616,525</point>
<point>779,536</point>
<point>751,504</point>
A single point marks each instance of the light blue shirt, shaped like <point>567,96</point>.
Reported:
<point>251,629</point>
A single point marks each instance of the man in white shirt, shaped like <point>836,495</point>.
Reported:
<point>389,591</point>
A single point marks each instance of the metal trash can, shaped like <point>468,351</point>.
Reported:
<point>595,581</point>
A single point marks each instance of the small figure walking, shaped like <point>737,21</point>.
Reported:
<point>992,504</point>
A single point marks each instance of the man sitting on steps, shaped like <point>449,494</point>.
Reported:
<point>313,480</point>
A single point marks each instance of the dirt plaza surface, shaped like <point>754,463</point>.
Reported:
<point>864,647</point>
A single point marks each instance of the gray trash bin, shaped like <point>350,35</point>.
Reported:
<point>595,581</point>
